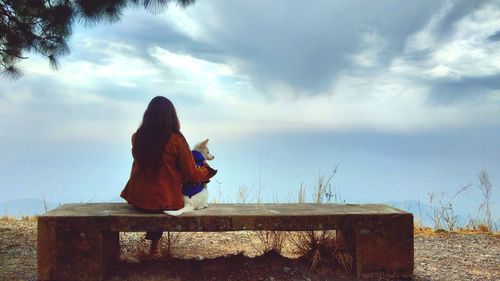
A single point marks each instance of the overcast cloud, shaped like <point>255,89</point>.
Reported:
<point>327,66</point>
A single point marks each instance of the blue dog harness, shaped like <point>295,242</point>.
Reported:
<point>190,189</point>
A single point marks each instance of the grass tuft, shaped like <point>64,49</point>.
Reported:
<point>270,240</point>
<point>322,248</point>
<point>5,218</point>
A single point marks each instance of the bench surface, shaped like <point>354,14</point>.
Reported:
<point>223,217</point>
<point>224,210</point>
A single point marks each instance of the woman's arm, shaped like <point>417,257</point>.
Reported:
<point>188,167</point>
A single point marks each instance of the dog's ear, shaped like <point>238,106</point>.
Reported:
<point>204,143</point>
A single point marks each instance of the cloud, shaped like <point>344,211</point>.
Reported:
<point>273,42</point>
<point>460,66</point>
<point>70,105</point>
<point>304,45</point>
<point>245,68</point>
<point>495,36</point>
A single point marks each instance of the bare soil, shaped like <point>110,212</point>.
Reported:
<point>238,256</point>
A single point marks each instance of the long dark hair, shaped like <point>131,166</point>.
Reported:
<point>159,122</point>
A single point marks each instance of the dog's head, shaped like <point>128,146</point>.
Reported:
<point>203,149</point>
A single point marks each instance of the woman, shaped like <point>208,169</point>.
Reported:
<point>162,162</point>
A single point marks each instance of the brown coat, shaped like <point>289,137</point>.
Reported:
<point>166,193</point>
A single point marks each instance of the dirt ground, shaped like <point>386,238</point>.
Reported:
<point>238,256</point>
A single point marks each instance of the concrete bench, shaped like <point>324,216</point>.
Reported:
<point>81,241</point>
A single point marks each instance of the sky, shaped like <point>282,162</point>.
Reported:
<point>403,97</point>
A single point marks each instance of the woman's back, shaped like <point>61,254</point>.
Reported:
<point>165,192</point>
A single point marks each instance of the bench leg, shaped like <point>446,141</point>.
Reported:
<point>381,248</point>
<point>110,251</point>
<point>68,255</point>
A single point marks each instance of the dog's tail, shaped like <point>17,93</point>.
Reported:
<point>187,208</point>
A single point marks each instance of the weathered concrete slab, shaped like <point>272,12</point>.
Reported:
<point>122,209</point>
<point>221,217</point>
<point>80,241</point>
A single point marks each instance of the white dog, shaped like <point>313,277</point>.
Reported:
<point>195,195</point>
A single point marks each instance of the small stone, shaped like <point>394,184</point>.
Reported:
<point>286,269</point>
<point>365,231</point>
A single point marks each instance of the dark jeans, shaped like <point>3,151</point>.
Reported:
<point>152,235</point>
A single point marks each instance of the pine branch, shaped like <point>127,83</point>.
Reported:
<point>42,26</point>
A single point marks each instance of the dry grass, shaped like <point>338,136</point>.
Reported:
<point>423,230</point>
<point>322,248</point>
<point>22,218</point>
<point>481,229</point>
<point>445,219</point>
<point>429,231</point>
<point>270,240</point>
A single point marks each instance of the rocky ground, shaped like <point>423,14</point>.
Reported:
<point>237,256</point>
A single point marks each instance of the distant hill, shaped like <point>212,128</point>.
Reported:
<point>419,210</point>
<point>33,207</point>
<point>25,207</point>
